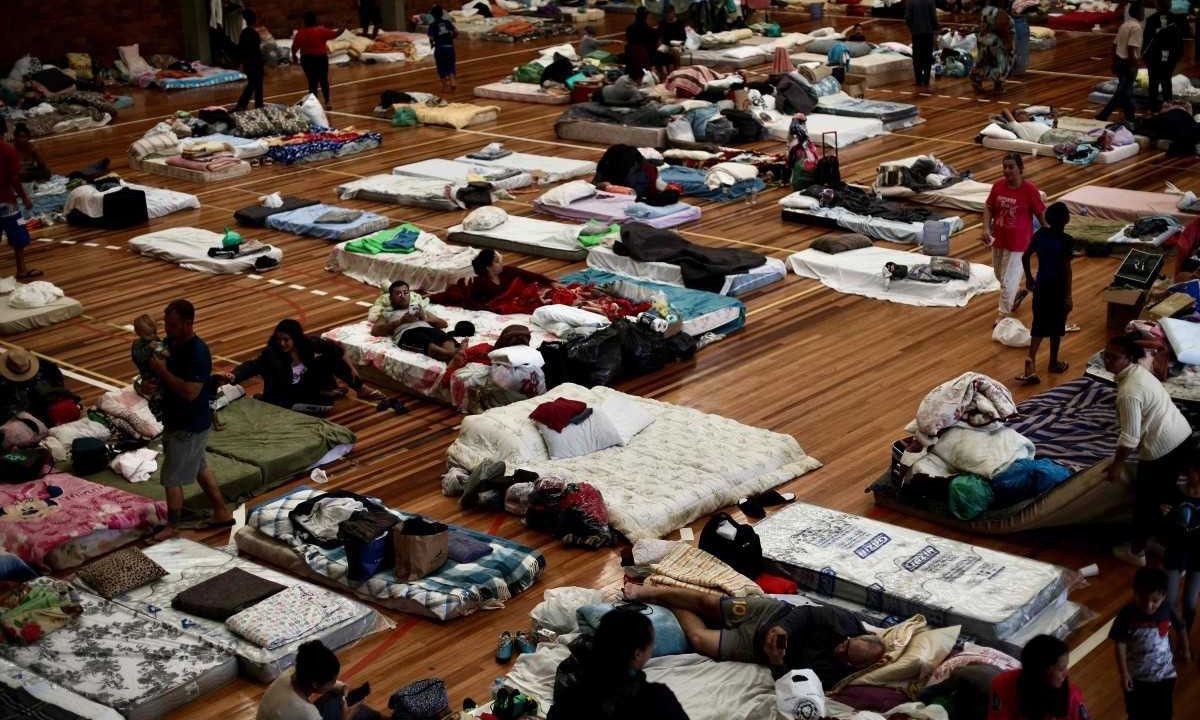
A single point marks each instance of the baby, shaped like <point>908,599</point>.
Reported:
<point>147,345</point>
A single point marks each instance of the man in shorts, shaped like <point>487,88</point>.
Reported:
<point>185,374</point>
<point>10,215</point>
<point>828,640</point>
<point>413,327</point>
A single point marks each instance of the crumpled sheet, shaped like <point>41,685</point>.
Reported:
<point>34,295</point>
<point>971,399</point>
<point>136,466</point>
<point>133,409</point>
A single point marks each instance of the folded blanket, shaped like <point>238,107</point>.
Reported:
<point>224,595</point>
<point>290,615</point>
<point>692,568</point>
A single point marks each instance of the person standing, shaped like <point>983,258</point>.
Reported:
<point>1051,290</point>
<point>310,45</point>
<point>641,42</point>
<point>1181,510</point>
<point>1154,429</point>
<point>1163,36</point>
<point>10,215</point>
<point>250,52</point>
<point>995,47</point>
<point>185,375</point>
<point>442,34</point>
<point>1127,52</point>
<point>1145,659</point>
<point>1008,214</point>
<point>921,18</point>
<point>370,16</point>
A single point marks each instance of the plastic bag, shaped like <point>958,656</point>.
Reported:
<point>311,108</point>
<point>680,130</point>
<point>274,200</point>
<point>557,609</point>
<point>231,238</point>
<point>691,40</point>
<point>1009,331</point>
<point>800,696</point>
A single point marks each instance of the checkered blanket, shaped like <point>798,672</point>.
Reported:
<point>455,590</point>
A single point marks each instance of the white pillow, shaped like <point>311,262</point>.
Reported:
<point>312,111</point>
<point>485,218</point>
<point>680,129</point>
<point>549,315</point>
<point>592,435</point>
<point>134,62</point>
<point>567,193</point>
<point>799,201</point>
<point>628,415</point>
<point>1184,338</point>
<point>741,52</point>
<point>995,131</point>
<point>517,355</point>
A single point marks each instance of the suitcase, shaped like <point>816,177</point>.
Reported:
<point>829,172</point>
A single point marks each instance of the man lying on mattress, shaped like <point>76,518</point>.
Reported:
<point>828,640</point>
<point>1045,131</point>
<point>413,327</point>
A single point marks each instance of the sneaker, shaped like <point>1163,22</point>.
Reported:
<point>524,643</point>
<point>1126,554</point>
<point>506,647</point>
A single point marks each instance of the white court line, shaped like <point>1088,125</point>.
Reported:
<point>319,293</point>
<point>341,298</point>
<point>87,380</point>
<point>362,303</point>
<point>297,287</point>
<point>112,247</point>
<point>1087,646</point>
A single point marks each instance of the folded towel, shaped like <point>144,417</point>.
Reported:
<point>465,549</point>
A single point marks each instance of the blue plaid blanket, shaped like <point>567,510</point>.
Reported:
<point>455,590</point>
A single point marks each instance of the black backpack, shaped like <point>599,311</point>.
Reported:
<point>743,553</point>
<point>20,465</point>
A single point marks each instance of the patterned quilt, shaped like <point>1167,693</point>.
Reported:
<point>1074,424</point>
<point>455,590</point>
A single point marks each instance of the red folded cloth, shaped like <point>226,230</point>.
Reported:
<point>557,413</point>
<point>775,585</point>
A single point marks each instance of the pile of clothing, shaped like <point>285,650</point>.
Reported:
<point>321,145</point>
<point>35,608</point>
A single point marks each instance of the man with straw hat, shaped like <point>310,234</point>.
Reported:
<point>25,383</point>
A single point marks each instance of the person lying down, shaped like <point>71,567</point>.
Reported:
<point>1027,127</point>
<point>414,328</point>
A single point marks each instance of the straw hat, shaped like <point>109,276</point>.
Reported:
<point>19,365</point>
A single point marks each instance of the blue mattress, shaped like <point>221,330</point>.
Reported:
<point>303,222</point>
<point>692,180</point>
<point>220,78</point>
<point>699,310</point>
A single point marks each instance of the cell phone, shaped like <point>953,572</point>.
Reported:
<point>358,694</point>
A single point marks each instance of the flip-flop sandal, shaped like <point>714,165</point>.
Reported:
<point>29,274</point>
<point>770,498</point>
<point>1060,368</point>
<point>1072,328</point>
<point>752,508</point>
<point>1031,379</point>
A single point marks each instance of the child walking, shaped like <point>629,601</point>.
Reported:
<point>1145,658</point>
<point>1181,507</point>
<point>1051,289</point>
<point>441,35</point>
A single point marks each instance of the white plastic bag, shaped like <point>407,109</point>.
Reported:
<point>557,610</point>
<point>691,39</point>
<point>680,130</point>
<point>272,201</point>
<point>311,108</point>
<point>1009,331</point>
<point>799,695</point>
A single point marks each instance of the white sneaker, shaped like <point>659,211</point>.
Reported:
<point>1126,554</point>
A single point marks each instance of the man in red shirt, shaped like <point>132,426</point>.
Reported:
<point>309,43</point>
<point>10,214</point>
<point>1008,227</point>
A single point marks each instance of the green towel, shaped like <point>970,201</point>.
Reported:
<point>594,239</point>
<point>373,244</point>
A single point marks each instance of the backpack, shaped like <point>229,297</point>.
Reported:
<point>88,456</point>
<point>743,553</point>
<point>719,131</point>
<point>828,172</point>
<point>20,465</point>
<point>746,127</point>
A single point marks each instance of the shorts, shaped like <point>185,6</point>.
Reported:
<point>744,621</point>
<point>183,457</point>
<point>419,339</point>
<point>16,233</point>
<point>444,57</point>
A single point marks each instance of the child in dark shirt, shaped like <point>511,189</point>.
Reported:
<point>1051,289</point>
<point>1181,509</point>
<point>1145,658</point>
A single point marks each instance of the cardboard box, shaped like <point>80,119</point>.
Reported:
<point>1124,304</point>
<point>856,90</point>
<point>1174,304</point>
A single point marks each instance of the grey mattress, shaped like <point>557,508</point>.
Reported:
<point>611,134</point>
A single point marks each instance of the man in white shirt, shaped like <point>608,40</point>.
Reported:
<point>414,328</point>
<point>1127,53</point>
<point>1154,429</point>
<point>315,673</point>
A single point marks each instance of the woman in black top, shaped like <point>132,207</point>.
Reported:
<point>670,30</point>
<point>250,53</point>
<point>603,678</point>
<point>300,371</point>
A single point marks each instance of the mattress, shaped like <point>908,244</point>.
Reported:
<point>110,656</point>
<point>603,258</point>
<point>188,248</point>
<point>243,148</point>
<point>159,202</point>
<point>719,58</point>
<point>522,92</point>
<point>433,267</point>
<point>460,173</point>
<point>970,195</point>
<point>18,320</point>
<point>417,372</point>
<point>860,272</point>
<point>302,221</point>
<point>210,77</point>
<point>456,115</point>
<point>873,227</point>
<point>401,190</point>
<point>609,134</point>
<point>190,563</point>
<point>237,481</point>
<point>609,207</point>
<point>1120,238</point>
<point>545,168</point>
<point>530,236</point>
<point>849,130</point>
<point>30,696</point>
<point>894,115</point>
<point>159,166</point>
<point>281,443</point>
<point>1117,154</point>
<point>877,68</point>
<point>256,215</point>
<point>79,550</point>
<point>905,572</point>
<point>1120,204</point>
<point>685,465</point>
<point>454,590</point>
<point>700,311</point>
<point>42,515</point>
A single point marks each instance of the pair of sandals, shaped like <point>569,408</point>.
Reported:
<point>755,506</point>
<point>1031,378</point>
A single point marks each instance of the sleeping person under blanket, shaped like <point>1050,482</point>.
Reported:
<point>413,327</point>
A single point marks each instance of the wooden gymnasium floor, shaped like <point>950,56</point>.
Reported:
<point>843,374</point>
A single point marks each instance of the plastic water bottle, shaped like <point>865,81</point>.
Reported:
<point>496,685</point>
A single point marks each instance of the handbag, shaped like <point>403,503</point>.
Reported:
<point>420,700</point>
<point>367,536</point>
<point>24,464</point>
<point>421,547</point>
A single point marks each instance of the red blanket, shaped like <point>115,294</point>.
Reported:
<point>1083,20</point>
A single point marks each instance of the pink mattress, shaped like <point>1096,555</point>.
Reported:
<point>39,516</point>
<point>1119,204</point>
<point>611,208</point>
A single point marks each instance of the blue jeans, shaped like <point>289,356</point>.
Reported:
<point>1020,59</point>
<point>1191,593</point>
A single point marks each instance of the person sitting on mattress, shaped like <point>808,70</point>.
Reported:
<point>413,327</point>
<point>493,280</point>
<point>1040,689</point>
<point>828,640</point>
<point>301,371</point>
<point>315,673</point>
<point>623,167</point>
<point>28,384</point>
<point>603,678</point>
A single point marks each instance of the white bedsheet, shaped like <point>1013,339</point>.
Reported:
<point>243,148</point>
<point>909,233</point>
<point>860,272</point>
<point>603,258</point>
<point>850,130</point>
<point>159,202</point>
<point>546,168</point>
<point>188,247</point>
<point>963,195</point>
<point>51,693</point>
<point>532,232</point>
<point>683,466</point>
<point>1106,157</point>
<point>403,190</point>
<point>432,268</point>
<point>461,173</point>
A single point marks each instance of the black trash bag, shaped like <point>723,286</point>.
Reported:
<point>743,553</point>
<point>475,194</point>
<point>642,349</point>
<point>719,131</point>
<point>596,359</point>
<point>746,127</point>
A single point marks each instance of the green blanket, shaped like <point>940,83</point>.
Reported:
<point>375,243</point>
<point>238,481</point>
<point>280,442</point>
